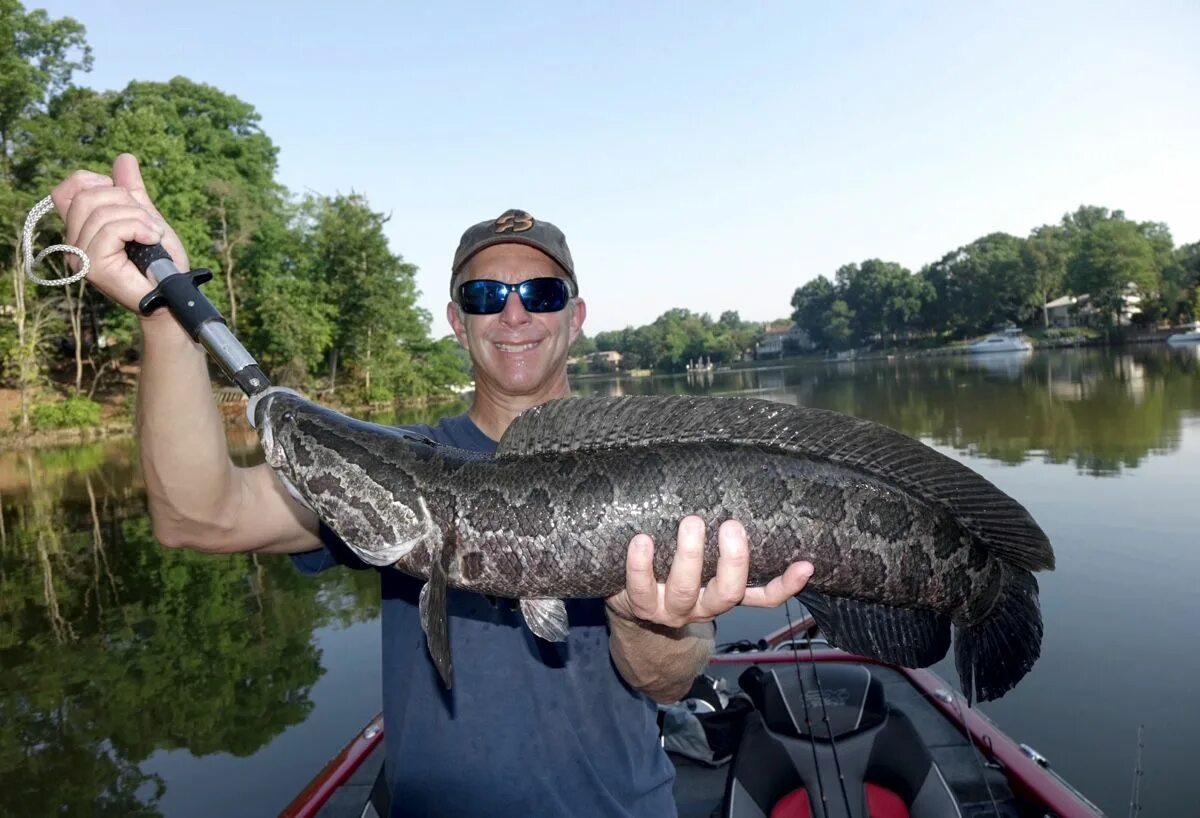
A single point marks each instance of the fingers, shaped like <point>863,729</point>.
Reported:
<point>727,588</point>
<point>683,581</point>
<point>127,174</point>
<point>641,588</point>
<point>100,219</point>
<point>66,191</point>
<point>87,202</point>
<point>108,228</point>
<point>780,589</point>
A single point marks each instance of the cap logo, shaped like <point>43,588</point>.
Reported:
<point>513,221</point>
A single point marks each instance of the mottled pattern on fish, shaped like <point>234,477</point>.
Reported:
<point>516,535</point>
<point>913,539</point>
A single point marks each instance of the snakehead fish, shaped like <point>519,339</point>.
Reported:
<point>905,542</point>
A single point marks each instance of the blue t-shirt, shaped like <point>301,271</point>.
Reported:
<point>530,728</point>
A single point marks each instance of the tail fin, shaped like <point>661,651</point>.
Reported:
<point>994,655</point>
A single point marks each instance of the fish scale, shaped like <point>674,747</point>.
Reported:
<point>906,543</point>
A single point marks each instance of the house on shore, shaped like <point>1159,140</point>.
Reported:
<point>783,340</point>
<point>600,361</point>
<point>1070,310</point>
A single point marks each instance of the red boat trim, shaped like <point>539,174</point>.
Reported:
<point>336,772</point>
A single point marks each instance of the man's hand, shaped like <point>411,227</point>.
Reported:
<point>682,600</point>
<point>659,635</point>
<point>101,214</point>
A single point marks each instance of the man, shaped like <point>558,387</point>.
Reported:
<point>530,728</point>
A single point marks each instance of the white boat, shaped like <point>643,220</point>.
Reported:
<point>1007,340</point>
<point>1190,336</point>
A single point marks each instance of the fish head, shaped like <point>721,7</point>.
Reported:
<point>278,415</point>
<point>356,476</point>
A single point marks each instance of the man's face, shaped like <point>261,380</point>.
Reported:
<point>515,352</point>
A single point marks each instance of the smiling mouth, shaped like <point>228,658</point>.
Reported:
<point>517,347</point>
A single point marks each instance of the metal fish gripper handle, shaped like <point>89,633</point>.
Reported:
<point>180,293</point>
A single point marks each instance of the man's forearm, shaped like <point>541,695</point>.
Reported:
<point>659,661</point>
<point>190,482</point>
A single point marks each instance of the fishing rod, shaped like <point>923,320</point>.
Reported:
<point>1135,798</point>
<point>174,289</point>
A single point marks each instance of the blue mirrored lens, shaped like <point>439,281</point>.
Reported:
<point>487,297</point>
<point>543,294</point>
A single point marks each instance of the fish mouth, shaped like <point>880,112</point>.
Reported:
<point>261,411</point>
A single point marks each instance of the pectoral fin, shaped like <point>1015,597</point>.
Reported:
<point>432,605</point>
<point>547,618</point>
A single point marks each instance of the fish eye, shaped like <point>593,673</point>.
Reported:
<point>288,417</point>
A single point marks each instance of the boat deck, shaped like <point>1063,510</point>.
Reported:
<point>699,788</point>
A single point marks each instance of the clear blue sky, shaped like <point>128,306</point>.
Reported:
<point>706,155</point>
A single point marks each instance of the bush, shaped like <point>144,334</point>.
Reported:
<point>73,412</point>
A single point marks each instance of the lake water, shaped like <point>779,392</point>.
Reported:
<point>138,681</point>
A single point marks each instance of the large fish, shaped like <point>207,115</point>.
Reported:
<point>904,540</point>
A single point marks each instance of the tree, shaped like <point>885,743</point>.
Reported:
<point>1044,259</point>
<point>985,284</point>
<point>380,333</point>
<point>838,328</point>
<point>38,57</point>
<point>1181,284</point>
<point>1114,256</point>
<point>810,307</point>
<point>883,297</point>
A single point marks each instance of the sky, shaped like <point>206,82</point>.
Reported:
<point>712,156</point>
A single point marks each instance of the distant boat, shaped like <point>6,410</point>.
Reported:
<point>1191,336</point>
<point>1009,339</point>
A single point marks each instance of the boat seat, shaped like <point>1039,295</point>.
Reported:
<point>786,757</point>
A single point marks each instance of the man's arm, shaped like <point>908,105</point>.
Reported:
<point>661,634</point>
<point>197,497</point>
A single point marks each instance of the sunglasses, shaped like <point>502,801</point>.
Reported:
<point>484,296</point>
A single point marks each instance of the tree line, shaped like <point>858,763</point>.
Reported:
<point>994,281</point>
<point>674,339</point>
<point>308,282</point>
<point>1002,279</point>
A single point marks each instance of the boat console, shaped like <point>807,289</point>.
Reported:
<point>825,740</point>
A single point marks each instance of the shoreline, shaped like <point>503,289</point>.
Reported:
<point>232,410</point>
<point>115,428</point>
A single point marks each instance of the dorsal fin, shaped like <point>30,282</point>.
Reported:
<point>581,424</point>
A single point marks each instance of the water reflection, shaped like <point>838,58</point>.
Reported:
<point>1103,411</point>
<point>1004,364</point>
<point>114,648</point>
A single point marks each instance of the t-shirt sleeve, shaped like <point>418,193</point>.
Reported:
<point>334,552</point>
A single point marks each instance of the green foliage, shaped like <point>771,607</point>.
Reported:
<point>1044,265</point>
<point>883,296</point>
<point>360,299</point>
<point>1112,259</point>
<point>811,304</point>
<point>38,57</point>
<point>680,336</point>
<point>868,302</point>
<point>1000,279</point>
<point>584,345</point>
<point>1181,284</point>
<point>838,328</point>
<point>73,413</point>
<point>312,287</point>
<point>982,285</point>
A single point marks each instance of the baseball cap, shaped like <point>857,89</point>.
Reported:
<point>515,227</point>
